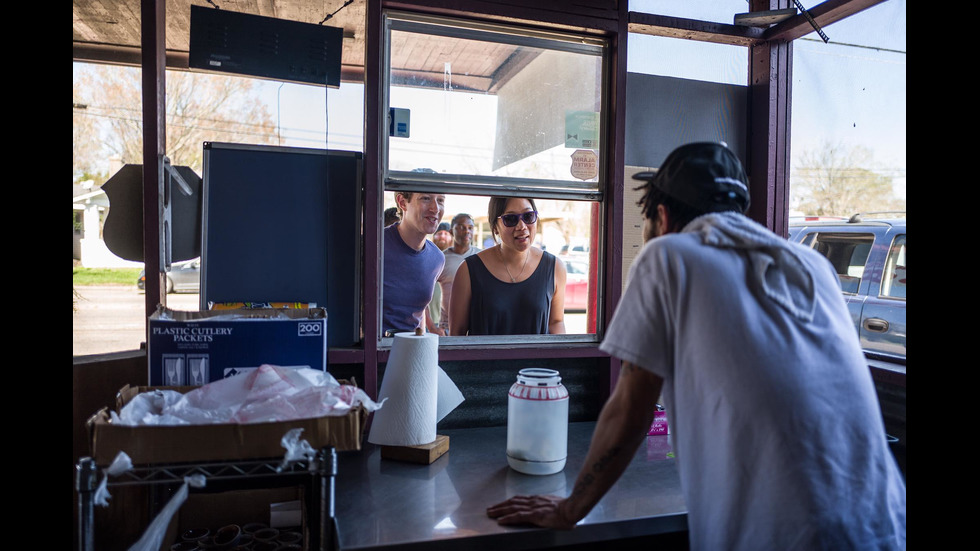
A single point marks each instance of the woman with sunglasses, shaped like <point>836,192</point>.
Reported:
<point>512,288</point>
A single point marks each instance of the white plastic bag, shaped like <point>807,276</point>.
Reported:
<point>267,394</point>
<point>157,530</point>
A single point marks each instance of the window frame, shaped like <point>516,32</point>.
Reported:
<point>889,267</point>
<point>472,184</point>
<point>855,238</point>
<point>488,186</point>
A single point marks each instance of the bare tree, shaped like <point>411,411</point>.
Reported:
<point>840,181</point>
<point>199,107</point>
<point>85,142</point>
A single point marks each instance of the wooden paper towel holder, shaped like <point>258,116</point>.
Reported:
<point>423,454</point>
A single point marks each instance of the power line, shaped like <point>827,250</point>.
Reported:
<point>859,46</point>
<point>291,134</point>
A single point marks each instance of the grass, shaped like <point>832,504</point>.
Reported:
<point>104,276</point>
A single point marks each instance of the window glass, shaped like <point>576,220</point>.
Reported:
<point>478,107</point>
<point>564,229</point>
<point>108,300</point>
<point>479,110</point>
<point>688,59</point>
<point>848,252</point>
<point>849,116</point>
<point>893,279</point>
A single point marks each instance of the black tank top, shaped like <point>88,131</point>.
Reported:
<point>500,308</point>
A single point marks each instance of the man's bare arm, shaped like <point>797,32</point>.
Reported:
<point>622,425</point>
<point>431,326</point>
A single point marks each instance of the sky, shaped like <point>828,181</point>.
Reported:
<point>855,94</point>
<point>850,91</point>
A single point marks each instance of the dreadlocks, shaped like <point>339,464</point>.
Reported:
<point>680,213</point>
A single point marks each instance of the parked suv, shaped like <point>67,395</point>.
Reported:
<point>869,253</point>
<point>183,277</point>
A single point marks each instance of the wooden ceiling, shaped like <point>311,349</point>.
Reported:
<point>109,31</point>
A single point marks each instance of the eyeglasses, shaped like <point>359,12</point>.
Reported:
<point>510,220</point>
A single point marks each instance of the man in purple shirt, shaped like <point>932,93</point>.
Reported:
<point>411,262</point>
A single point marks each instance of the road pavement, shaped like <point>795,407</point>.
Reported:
<point>111,318</point>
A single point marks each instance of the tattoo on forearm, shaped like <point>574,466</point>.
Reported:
<point>597,467</point>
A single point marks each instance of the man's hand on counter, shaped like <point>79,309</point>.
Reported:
<point>622,426</point>
<point>544,511</point>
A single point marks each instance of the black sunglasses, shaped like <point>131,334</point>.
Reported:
<point>510,220</point>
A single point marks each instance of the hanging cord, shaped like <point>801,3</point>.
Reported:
<point>217,7</point>
<point>327,18</point>
<point>279,112</point>
<point>806,14</point>
<point>326,106</point>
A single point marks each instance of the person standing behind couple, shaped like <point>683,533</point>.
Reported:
<point>443,238</point>
<point>462,228</point>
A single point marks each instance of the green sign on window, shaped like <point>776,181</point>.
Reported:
<point>582,129</point>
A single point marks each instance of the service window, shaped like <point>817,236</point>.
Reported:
<point>893,278</point>
<point>477,110</point>
<point>563,228</point>
<point>848,252</point>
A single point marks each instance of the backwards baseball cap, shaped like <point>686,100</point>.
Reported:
<point>705,175</point>
<point>444,226</point>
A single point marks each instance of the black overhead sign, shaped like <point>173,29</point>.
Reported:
<point>266,47</point>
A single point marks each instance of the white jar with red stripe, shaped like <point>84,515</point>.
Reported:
<point>537,422</point>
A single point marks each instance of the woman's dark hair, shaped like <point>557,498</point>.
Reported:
<point>497,206</point>
<point>680,213</point>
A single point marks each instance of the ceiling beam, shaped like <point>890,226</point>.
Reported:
<point>121,55</point>
<point>413,78</point>
<point>824,14</point>
<point>514,64</point>
<point>692,29</point>
<point>115,54</point>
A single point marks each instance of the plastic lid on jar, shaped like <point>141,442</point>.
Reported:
<point>538,376</point>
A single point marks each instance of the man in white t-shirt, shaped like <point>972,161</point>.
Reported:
<point>774,418</point>
<point>463,229</point>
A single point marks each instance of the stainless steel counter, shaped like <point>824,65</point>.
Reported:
<point>388,504</point>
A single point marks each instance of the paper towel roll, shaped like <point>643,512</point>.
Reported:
<point>410,385</point>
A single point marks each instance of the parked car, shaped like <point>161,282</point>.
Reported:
<point>869,255</point>
<point>183,277</point>
<point>580,250</point>
<point>576,285</point>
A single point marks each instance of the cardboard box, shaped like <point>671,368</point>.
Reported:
<point>220,442</point>
<point>195,348</point>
